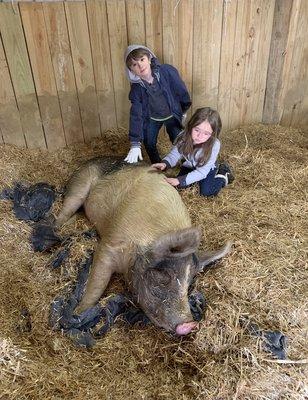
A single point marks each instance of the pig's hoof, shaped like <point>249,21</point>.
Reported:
<point>186,328</point>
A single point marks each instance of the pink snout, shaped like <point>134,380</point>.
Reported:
<point>186,328</point>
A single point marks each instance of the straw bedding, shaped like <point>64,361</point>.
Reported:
<point>264,212</point>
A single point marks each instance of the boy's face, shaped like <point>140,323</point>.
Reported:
<point>141,67</point>
<point>201,133</point>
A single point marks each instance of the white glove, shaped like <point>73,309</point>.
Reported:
<point>134,155</point>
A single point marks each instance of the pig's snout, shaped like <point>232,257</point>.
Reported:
<point>186,328</point>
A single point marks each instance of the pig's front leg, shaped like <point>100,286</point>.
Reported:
<point>102,268</point>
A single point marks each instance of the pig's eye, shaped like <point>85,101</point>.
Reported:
<point>175,249</point>
<point>158,283</point>
<point>158,276</point>
<point>158,291</point>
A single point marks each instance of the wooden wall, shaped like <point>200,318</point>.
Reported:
<point>62,75</point>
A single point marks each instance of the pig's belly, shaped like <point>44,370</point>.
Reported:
<point>99,213</point>
<point>140,209</point>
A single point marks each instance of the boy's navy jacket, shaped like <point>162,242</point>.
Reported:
<point>173,87</point>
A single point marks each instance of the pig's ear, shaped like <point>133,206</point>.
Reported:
<point>176,244</point>
<point>208,258</point>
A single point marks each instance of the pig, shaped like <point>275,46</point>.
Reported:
<point>145,233</point>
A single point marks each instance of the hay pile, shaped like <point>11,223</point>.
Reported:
<point>265,278</point>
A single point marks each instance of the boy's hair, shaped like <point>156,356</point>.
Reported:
<point>136,55</point>
<point>185,142</point>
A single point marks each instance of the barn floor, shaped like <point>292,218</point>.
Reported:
<point>264,212</point>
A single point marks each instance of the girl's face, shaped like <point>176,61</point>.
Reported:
<point>201,133</point>
<point>141,67</point>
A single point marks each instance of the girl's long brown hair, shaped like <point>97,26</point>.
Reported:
<point>185,142</point>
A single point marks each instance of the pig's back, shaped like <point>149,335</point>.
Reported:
<point>136,205</point>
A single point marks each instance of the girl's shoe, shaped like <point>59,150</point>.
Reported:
<point>224,171</point>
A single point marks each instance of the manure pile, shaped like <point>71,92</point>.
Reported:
<point>264,212</point>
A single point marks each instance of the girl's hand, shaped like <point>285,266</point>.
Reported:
<point>161,166</point>
<point>173,181</point>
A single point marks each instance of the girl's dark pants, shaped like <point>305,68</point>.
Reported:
<point>173,128</point>
<point>210,186</point>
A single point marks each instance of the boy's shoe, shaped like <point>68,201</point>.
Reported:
<point>224,171</point>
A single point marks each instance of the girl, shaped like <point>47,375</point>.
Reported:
<point>199,146</point>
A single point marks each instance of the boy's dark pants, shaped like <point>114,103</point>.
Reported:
<point>210,186</point>
<point>173,128</point>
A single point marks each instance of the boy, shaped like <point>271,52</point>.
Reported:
<point>158,97</point>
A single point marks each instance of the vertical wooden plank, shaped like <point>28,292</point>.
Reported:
<point>37,42</point>
<point>288,61</point>
<point>83,67</point>
<point>185,42</point>
<point>135,21</point>
<point>153,27</point>
<point>251,54</point>
<point>300,60</point>
<point>61,57</point>
<point>239,62</point>
<point>98,26</point>
<point>267,15</point>
<point>206,52</point>
<point>296,91</point>
<point>20,71</point>
<point>226,58</point>
<point>10,125</point>
<point>279,37</point>
<point>170,32</point>
<point>178,36</point>
<point>118,44</point>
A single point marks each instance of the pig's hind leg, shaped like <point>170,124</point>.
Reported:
<point>81,182</point>
<point>77,191</point>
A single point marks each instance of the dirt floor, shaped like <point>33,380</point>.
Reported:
<point>264,213</point>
